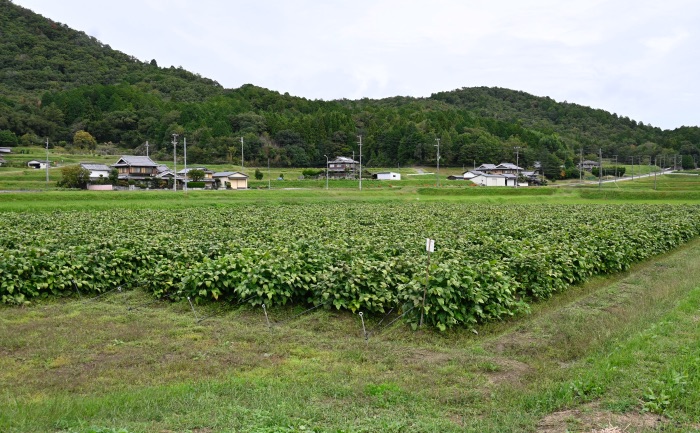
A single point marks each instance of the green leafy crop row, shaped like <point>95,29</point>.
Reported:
<point>490,260</point>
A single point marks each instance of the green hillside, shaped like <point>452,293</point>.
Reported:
<point>56,81</point>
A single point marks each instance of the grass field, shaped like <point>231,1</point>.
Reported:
<point>620,353</point>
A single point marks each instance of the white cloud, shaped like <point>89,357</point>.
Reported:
<point>665,44</point>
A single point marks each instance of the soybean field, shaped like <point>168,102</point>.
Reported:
<point>490,261</point>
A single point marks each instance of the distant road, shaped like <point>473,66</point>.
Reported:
<point>622,179</point>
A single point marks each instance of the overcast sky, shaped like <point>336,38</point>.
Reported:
<point>639,59</point>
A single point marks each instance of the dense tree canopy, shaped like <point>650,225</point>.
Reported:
<point>57,82</point>
<point>74,176</point>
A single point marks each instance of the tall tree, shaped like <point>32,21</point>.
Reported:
<point>84,140</point>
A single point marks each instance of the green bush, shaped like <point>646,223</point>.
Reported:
<point>312,172</point>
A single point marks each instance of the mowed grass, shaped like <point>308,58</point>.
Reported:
<point>598,355</point>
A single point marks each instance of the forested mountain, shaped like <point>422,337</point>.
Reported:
<point>56,81</point>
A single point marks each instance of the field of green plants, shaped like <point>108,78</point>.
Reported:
<point>490,261</point>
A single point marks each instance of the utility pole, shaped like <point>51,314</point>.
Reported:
<point>600,168</point>
<point>241,153</point>
<point>147,149</point>
<point>185,144</point>
<point>268,174</point>
<point>616,167</point>
<point>174,162</point>
<point>437,182</point>
<point>632,167</point>
<point>326,171</point>
<point>360,161</point>
<point>517,165</point>
<point>47,162</point>
<point>580,165</point>
<point>655,163</point>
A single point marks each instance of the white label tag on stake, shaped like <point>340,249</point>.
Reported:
<point>430,245</point>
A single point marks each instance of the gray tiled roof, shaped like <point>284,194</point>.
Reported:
<point>343,160</point>
<point>95,167</point>
<point>187,170</point>
<point>140,161</point>
<point>509,165</point>
<point>487,166</point>
<point>228,173</point>
<point>478,173</point>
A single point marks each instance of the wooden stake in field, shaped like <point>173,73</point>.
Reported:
<point>430,248</point>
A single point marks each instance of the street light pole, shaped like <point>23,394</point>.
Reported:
<point>326,171</point>
<point>174,162</point>
<point>437,181</point>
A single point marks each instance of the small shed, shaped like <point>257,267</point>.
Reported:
<point>4,150</point>
<point>387,175</point>
<point>231,179</point>
<point>494,179</point>
<point>38,164</point>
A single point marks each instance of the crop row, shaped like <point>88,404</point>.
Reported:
<point>490,260</point>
